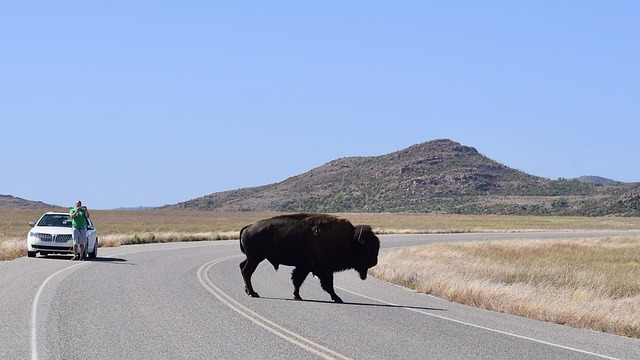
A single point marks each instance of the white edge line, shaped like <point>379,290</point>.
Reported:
<point>34,306</point>
<point>34,312</point>
<point>483,327</point>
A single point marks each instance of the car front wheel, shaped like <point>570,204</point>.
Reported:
<point>31,253</point>
<point>94,253</point>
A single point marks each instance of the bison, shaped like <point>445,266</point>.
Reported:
<point>312,243</point>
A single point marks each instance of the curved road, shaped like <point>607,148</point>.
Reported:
<point>187,301</point>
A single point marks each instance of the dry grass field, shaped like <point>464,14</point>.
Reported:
<point>121,227</point>
<point>586,283</point>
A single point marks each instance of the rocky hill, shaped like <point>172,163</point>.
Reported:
<point>12,202</point>
<point>439,176</point>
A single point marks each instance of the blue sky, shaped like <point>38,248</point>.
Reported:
<point>129,103</point>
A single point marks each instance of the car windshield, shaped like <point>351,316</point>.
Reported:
<point>60,220</point>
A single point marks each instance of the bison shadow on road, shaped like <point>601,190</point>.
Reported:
<point>395,306</point>
<point>97,259</point>
<point>108,260</point>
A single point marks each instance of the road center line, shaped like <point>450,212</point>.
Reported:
<point>259,320</point>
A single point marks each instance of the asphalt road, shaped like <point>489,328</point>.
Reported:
<point>187,301</point>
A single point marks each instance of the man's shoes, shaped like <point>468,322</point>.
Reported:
<point>75,257</point>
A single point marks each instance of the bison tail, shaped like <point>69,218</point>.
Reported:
<point>242,246</point>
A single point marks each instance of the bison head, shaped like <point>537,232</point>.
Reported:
<point>368,246</point>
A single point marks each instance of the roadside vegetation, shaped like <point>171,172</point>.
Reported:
<point>586,283</point>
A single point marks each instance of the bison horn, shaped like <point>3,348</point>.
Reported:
<point>360,241</point>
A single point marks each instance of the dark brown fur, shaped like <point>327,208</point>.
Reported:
<point>312,243</point>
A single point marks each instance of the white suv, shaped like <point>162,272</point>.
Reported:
<point>52,234</point>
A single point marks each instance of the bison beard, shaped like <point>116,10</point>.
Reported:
<point>312,243</point>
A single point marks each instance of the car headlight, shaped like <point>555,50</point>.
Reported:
<point>35,235</point>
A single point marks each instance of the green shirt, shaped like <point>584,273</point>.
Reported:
<point>80,221</point>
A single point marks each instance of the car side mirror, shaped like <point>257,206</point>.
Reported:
<point>32,224</point>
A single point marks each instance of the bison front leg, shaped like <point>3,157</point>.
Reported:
<point>326,281</point>
<point>247,268</point>
<point>298,276</point>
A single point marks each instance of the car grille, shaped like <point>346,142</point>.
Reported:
<point>61,238</point>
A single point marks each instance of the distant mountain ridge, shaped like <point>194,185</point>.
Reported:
<point>12,202</point>
<point>440,176</point>
<point>597,180</point>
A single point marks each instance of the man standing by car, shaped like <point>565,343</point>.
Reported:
<point>79,215</point>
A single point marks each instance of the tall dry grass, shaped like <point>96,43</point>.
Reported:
<point>586,283</point>
<point>12,248</point>
<point>113,240</point>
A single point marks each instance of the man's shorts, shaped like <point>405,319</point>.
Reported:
<point>79,236</point>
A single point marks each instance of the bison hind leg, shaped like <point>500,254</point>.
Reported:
<point>298,275</point>
<point>247,268</point>
<point>251,292</point>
